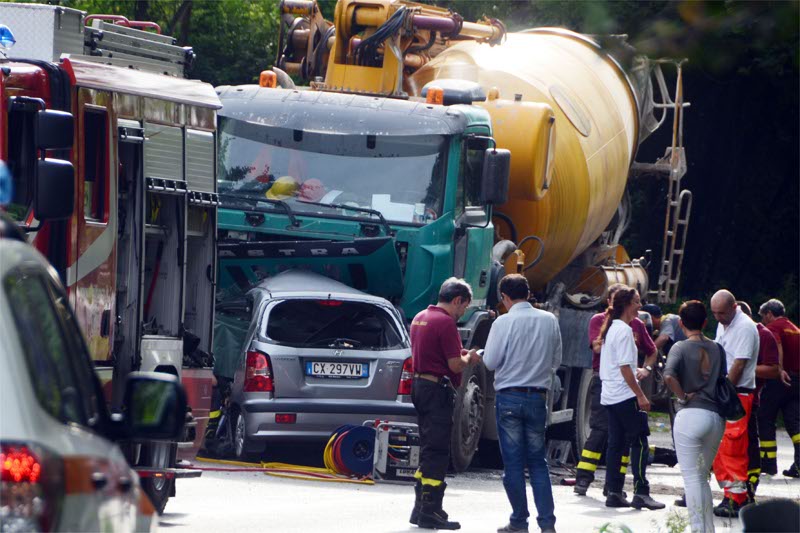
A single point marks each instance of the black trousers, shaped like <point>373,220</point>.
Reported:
<point>776,397</point>
<point>595,445</point>
<point>434,403</point>
<point>753,457</point>
<point>627,430</point>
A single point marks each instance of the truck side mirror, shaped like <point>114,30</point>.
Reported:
<point>54,197</point>
<point>54,129</point>
<point>155,406</point>
<point>494,182</point>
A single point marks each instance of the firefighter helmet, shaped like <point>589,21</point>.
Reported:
<point>283,188</point>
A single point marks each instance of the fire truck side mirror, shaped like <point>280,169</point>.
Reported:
<point>494,184</point>
<point>54,129</point>
<point>54,197</point>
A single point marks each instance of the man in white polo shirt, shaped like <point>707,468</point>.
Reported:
<point>739,337</point>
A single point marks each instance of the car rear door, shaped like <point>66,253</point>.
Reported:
<point>334,349</point>
<point>100,489</point>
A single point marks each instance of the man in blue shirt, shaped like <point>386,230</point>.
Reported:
<point>524,350</point>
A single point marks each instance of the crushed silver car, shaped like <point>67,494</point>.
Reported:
<point>311,354</point>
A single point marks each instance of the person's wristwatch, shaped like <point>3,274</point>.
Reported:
<point>649,368</point>
<point>684,400</point>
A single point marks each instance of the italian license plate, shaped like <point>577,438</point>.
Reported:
<point>337,370</point>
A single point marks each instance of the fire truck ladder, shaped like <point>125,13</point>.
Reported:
<point>115,40</point>
<point>679,202</point>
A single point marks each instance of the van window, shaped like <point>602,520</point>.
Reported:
<point>61,383</point>
<point>333,324</point>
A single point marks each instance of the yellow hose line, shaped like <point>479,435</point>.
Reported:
<point>327,455</point>
<point>335,480</point>
<point>287,466</point>
<point>227,462</point>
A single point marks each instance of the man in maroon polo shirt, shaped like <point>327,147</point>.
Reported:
<point>767,368</point>
<point>439,359</point>
<point>783,394</point>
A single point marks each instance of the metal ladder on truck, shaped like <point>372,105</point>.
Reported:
<point>115,40</point>
<point>679,201</point>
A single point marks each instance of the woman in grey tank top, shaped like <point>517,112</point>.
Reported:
<point>693,367</point>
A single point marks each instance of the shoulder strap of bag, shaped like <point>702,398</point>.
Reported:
<point>723,366</point>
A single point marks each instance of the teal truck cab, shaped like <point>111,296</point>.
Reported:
<point>389,196</point>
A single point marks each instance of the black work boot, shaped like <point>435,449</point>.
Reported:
<point>640,501</point>
<point>680,502</point>
<point>581,486</point>
<point>431,514</point>
<point>769,466</point>
<point>792,471</point>
<point>605,492</point>
<point>616,499</point>
<point>417,502</point>
<point>727,508</point>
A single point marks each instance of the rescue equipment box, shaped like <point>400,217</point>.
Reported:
<point>396,451</point>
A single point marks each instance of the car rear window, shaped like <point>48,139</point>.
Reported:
<point>333,324</point>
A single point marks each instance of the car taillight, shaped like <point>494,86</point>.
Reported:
<point>406,377</point>
<point>31,483</point>
<point>258,373</point>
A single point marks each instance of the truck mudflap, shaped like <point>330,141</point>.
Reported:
<point>168,473</point>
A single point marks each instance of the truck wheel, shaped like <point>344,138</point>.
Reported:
<point>583,411</point>
<point>158,455</point>
<point>467,418</point>
<point>244,449</point>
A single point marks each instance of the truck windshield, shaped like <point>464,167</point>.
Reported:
<point>400,176</point>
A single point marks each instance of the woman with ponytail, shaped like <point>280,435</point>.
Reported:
<point>693,367</point>
<point>625,403</point>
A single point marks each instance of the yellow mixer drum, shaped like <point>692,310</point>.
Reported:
<point>596,133</point>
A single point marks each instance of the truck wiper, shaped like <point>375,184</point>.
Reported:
<point>280,203</point>
<point>367,210</point>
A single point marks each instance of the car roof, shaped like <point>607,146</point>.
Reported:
<point>15,253</point>
<point>306,284</point>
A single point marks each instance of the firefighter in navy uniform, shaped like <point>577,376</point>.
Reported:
<point>782,394</point>
<point>439,359</point>
<point>767,369</point>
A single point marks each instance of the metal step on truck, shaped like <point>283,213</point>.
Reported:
<point>108,99</point>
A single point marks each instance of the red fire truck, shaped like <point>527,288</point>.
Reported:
<point>113,161</point>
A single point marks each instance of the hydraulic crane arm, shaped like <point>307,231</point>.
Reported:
<point>372,45</point>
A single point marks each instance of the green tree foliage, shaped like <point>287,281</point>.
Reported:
<point>234,40</point>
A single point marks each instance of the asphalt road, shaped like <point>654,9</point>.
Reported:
<point>255,501</point>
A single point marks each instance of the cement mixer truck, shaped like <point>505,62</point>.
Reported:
<point>390,173</point>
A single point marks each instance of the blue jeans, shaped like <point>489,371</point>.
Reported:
<point>521,418</point>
